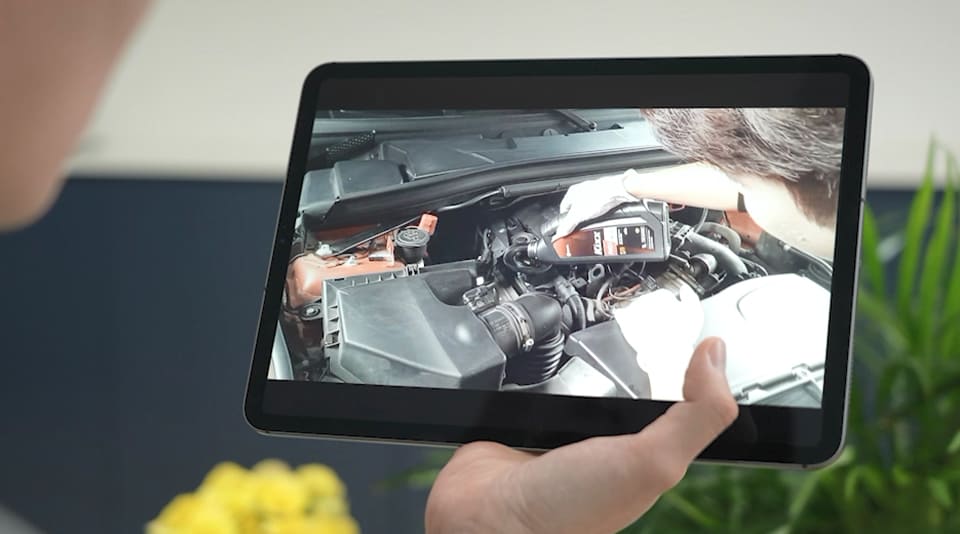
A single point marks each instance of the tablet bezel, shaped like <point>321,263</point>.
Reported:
<point>761,434</point>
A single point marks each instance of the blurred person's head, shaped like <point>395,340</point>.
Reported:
<point>24,198</point>
<point>55,58</point>
<point>798,147</point>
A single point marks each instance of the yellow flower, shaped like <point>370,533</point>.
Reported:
<point>334,525</point>
<point>232,486</point>
<point>192,514</point>
<point>237,499</point>
<point>248,523</point>
<point>321,481</point>
<point>330,506</point>
<point>311,525</point>
<point>288,525</point>
<point>225,475</point>
<point>179,510</point>
<point>271,466</point>
<point>279,493</point>
<point>269,498</point>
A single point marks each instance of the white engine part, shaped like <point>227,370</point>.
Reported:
<point>663,327</point>
<point>771,326</point>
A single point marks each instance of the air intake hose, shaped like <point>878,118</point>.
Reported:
<point>528,331</point>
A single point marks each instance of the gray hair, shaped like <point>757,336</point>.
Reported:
<point>801,147</point>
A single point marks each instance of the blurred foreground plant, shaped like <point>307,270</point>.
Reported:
<point>270,498</point>
<point>900,471</point>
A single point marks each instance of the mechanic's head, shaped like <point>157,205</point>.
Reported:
<point>800,147</point>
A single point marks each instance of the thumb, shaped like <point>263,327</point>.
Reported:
<point>709,408</point>
<point>603,484</point>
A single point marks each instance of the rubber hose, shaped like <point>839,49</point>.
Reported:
<point>730,262</point>
<point>544,314</point>
<point>540,364</point>
<point>513,259</point>
<point>568,294</point>
<point>581,311</point>
<point>733,238</point>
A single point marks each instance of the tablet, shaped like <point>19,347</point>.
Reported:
<point>529,251</point>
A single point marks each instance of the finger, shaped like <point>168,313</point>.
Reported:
<point>709,408</point>
<point>568,221</point>
<point>619,478</point>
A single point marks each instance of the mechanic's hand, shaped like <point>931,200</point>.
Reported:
<point>599,485</point>
<point>590,199</point>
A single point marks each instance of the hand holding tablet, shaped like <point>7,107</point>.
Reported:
<point>527,252</point>
<point>610,481</point>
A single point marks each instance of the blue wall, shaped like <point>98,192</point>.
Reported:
<point>126,325</point>
<point>127,319</point>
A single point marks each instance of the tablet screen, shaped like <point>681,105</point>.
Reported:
<point>574,252</point>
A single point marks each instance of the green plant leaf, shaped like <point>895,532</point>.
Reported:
<point>935,265</point>
<point>954,444</point>
<point>642,526</point>
<point>940,491</point>
<point>416,478</point>
<point>690,510</point>
<point>866,353</point>
<point>888,324</point>
<point>951,305</point>
<point>901,476</point>
<point>871,263</point>
<point>917,222</point>
<point>847,457</point>
<point>911,376</point>
<point>439,457</point>
<point>739,507</point>
<point>950,475</point>
<point>865,476</point>
<point>803,495</point>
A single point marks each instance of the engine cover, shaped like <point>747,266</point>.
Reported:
<point>388,330</point>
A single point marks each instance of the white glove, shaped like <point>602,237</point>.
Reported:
<point>591,199</point>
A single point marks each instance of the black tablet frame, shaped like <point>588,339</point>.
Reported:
<point>761,434</point>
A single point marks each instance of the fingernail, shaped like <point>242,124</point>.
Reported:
<point>718,354</point>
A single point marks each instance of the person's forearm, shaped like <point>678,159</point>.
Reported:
<point>55,58</point>
<point>695,184</point>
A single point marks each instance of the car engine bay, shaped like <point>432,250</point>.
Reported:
<point>463,296</point>
<point>454,300</point>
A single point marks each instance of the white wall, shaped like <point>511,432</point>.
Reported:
<point>210,87</point>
